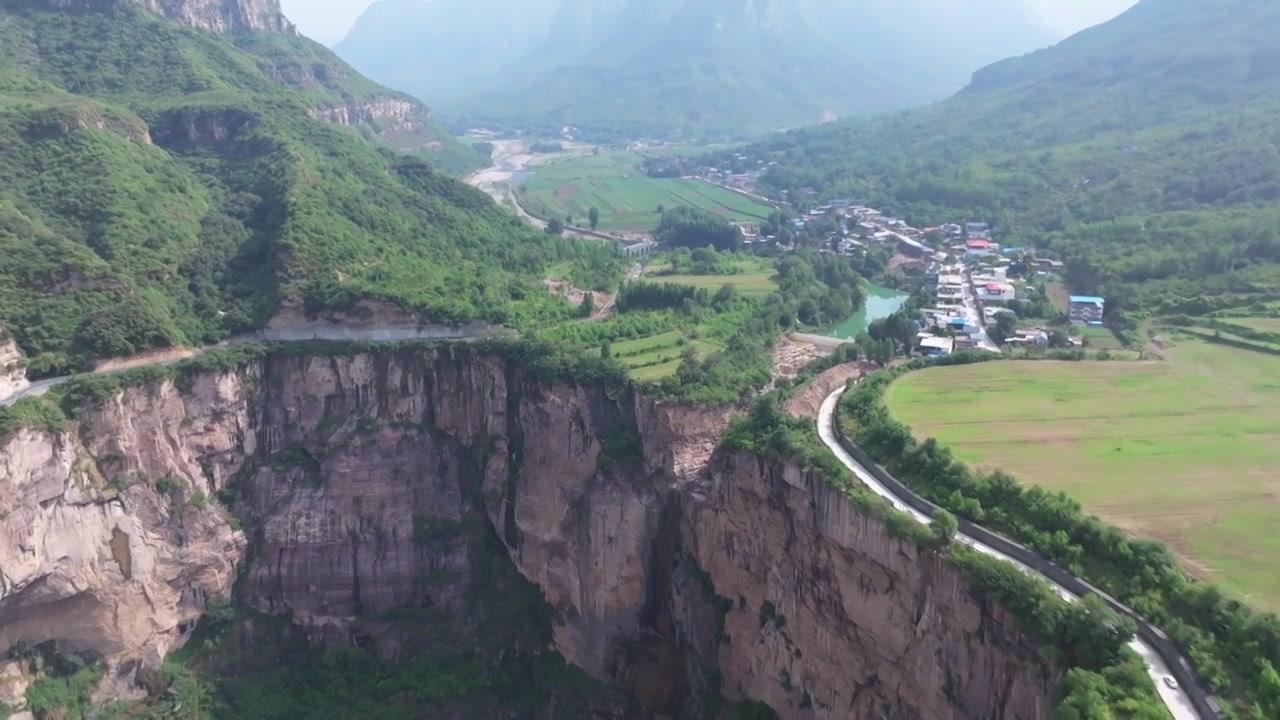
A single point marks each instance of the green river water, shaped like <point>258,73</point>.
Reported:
<point>881,303</point>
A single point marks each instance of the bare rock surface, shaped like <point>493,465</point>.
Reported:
<point>357,475</point>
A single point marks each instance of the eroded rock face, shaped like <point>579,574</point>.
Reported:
<point>13,373</point>
<point>832,617</point>
<point>214,15</point>
<point>359,478</point>
<point>108,546</point>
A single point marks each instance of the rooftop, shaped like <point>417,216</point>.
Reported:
<point>1088,300</point>
<point>937,343</point>
<point>977,243</point>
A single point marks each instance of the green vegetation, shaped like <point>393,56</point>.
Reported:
<point>1087,638</point>
<point>1233,648</point>
<point>714,69</point>
<point>1192,437</point>
<point>684,342</point>
<point>486,658</point>
<point>159,187</point>
<point>1143,152</point>
<point>626,199</point>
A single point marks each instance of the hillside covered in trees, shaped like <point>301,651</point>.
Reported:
<point>164,185</point>
<point>1143,151</point>
<point>626,68</point>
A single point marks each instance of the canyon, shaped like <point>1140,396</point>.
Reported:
<point>362,497</point>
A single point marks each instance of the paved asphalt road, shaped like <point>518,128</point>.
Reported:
<point>974,316</point>
<point>1177,701</point>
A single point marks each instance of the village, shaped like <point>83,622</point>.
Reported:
<point>972,278</point>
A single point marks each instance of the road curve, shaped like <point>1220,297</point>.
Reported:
<point>1177,701</point>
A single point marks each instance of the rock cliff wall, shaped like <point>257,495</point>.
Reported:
<point>13,371</point>
<point>830,616</point>
<point>213,15</point>
<point>359,478</point>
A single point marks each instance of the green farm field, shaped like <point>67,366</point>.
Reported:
<point>628,200</point>
<point>1183,451</point>
<point>1264,324</point>
<point>657,356</point>
<point>755,279</point>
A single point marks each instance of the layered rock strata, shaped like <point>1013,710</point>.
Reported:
<point>355,476</point>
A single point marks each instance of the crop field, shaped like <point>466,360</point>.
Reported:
<point>657,356</point>
<point>1183,451</point>
<point>1100,338</point>
<point>756,278</point>
<point>628,200</point>
<point>1264,324</point>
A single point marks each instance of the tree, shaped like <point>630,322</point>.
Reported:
<point>1006,326</point>
<point>1058,339</point>
<point>588,306</point>
<point>568,220</point>
<point>606,351</point>
<point>662,209</point>
<point>943,527</point>
<point>555,227</point>
<point>725,293</point>
<point>593,216</point>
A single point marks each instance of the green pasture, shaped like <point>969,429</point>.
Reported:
<point>628,200</point>
<point>1183,451</point>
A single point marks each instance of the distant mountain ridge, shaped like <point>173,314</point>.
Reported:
<point>721,66</point>
<point>1144,150</point>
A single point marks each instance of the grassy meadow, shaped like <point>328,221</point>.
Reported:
<point>755,277</point>
<point>628,199</point>
<point>1183,451</point>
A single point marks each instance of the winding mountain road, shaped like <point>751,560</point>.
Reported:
<point>1175,699</point>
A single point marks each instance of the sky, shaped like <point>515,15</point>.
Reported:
<point>328,20</point>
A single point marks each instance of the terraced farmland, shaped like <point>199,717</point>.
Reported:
<point>657,356</point>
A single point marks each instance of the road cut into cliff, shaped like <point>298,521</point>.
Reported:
<point>335,491</point>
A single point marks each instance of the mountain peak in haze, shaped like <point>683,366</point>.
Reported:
<point>683,66</point>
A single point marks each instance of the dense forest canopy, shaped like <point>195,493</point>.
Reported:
<point>163,186</point>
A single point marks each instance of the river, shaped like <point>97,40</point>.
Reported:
<point>881,303</point>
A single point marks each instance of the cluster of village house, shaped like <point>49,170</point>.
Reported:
<point>968,271</point>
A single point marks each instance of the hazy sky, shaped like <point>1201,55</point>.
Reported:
<point>328,20</point>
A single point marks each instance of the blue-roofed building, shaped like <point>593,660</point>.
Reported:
<point>1086,310</point>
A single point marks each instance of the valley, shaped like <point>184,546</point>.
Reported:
<point>555,379</point>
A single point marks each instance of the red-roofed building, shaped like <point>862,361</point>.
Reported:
<point>979,247</point>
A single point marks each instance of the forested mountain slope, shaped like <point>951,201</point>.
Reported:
<point>1144,150</point>
<point>683,67</point>
<point>162,184</point>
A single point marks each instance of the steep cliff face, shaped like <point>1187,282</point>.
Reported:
<point>13,372</point>
<point>363,480</point>
<point>214,15</point>
<point>109,546</point>
<point>832,617</point>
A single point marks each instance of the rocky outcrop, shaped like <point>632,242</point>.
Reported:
<point>111,546</point>
<point>214,15</point>
<point>13,366</point>
<point>371,112</point>
<point>402,124</point>
<point>359,479</point>
<point>830,616</point>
